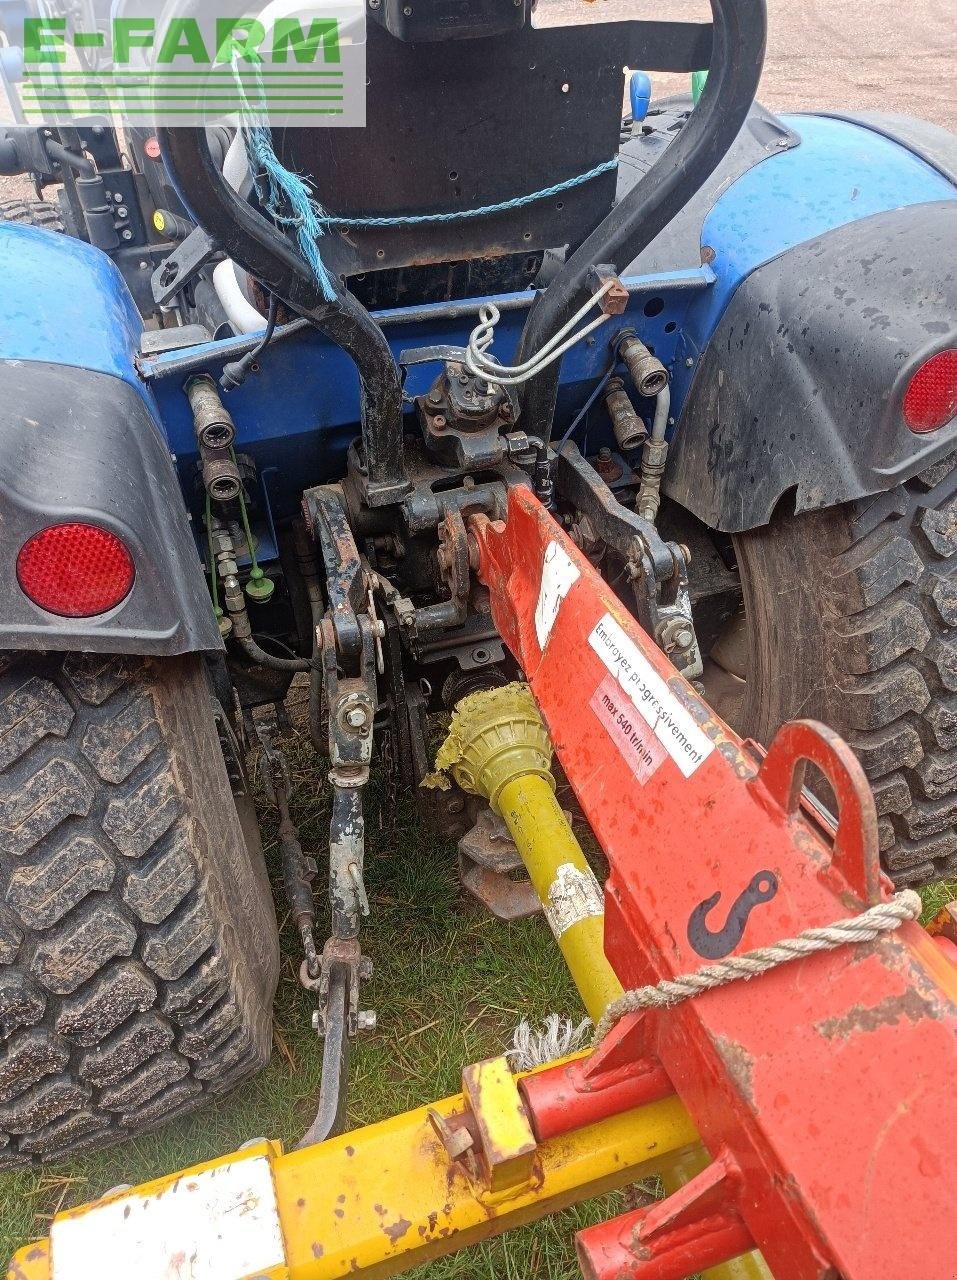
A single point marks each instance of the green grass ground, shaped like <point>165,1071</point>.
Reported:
<point>449,987</point>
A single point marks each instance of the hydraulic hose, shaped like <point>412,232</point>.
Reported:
<point>257,654</point>
<point>257,245</point>
<point>739,37</point>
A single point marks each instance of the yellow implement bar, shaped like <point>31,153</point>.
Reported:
<point>375,1202</point>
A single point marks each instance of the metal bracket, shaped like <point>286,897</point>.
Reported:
<point>658,570</point>
<point>182,265</point>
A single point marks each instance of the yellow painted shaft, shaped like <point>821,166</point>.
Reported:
<point>547,843</point>
<point>566,884</point>
<point>383,1199</point>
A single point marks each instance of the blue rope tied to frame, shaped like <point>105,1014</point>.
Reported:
<point>289,199</point>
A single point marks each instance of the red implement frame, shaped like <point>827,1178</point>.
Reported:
<point>825,1089</point>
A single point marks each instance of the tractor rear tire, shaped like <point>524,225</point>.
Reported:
<point>33,213</point>
<point>850,617</point>
<point>138,945</point>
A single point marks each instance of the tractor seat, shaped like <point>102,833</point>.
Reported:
<point>487,120</point>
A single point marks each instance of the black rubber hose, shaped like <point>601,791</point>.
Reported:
<point>740,33</point>
<point>252,650</point>
<point>257,245</point>
<point>62,155</point>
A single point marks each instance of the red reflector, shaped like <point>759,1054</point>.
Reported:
<point>931,396</point>
<point>75,570</point>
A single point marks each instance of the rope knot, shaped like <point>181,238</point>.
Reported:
<point>870,924</point>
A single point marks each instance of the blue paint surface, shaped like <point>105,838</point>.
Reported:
<point>300,412</point>
<point>65,302</point>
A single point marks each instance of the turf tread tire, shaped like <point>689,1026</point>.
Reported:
<point>32,213</point>
<point>138,938</point>
<point>853,620</point>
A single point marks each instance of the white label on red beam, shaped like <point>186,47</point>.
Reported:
<point>670,722</point>
<point>639,747</point>
<point>559,575</point>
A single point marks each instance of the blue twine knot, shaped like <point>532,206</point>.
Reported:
<point>289,198</point>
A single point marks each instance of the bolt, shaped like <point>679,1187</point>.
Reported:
<point>689,362</point>
<point>604,454</point>
<point>366,1018</point>
<point>463,379</point>
<point>355,717</point>
<point>122,211</point>
<point>684,639</point>
<point>127,234</point>
<point>316,1020</point>
<point>374,4</point>
<point>438,422</point>
<point>435,396</point>
<point>407,11</point>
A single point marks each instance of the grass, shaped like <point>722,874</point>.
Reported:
<point>449,986</point>
<point>450,983</point>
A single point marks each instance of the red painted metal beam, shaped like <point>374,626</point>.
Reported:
<point>828,1084</point>
<point>612,1079</point>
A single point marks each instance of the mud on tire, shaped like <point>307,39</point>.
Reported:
<point>138,942</point>
<point>852,614</point>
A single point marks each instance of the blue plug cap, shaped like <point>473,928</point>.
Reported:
<point>639,90</point>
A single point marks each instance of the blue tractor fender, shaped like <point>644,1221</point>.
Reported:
<point>80,442</point>
<point>834,281</point>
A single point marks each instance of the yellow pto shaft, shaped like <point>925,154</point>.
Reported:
<point>498,747</point>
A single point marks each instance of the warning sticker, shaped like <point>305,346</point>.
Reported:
<point>573,896</point>
<point>641,750</point>
<point>559,575</point>
<point>670,722</point>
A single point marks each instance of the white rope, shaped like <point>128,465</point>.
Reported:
<point>882,918</point>
<point>556,1038</point>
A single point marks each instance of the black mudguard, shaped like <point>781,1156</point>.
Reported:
<point>799,391</point>
<point>79,445</point>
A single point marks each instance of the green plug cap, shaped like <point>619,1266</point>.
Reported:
<point>259,588</point>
